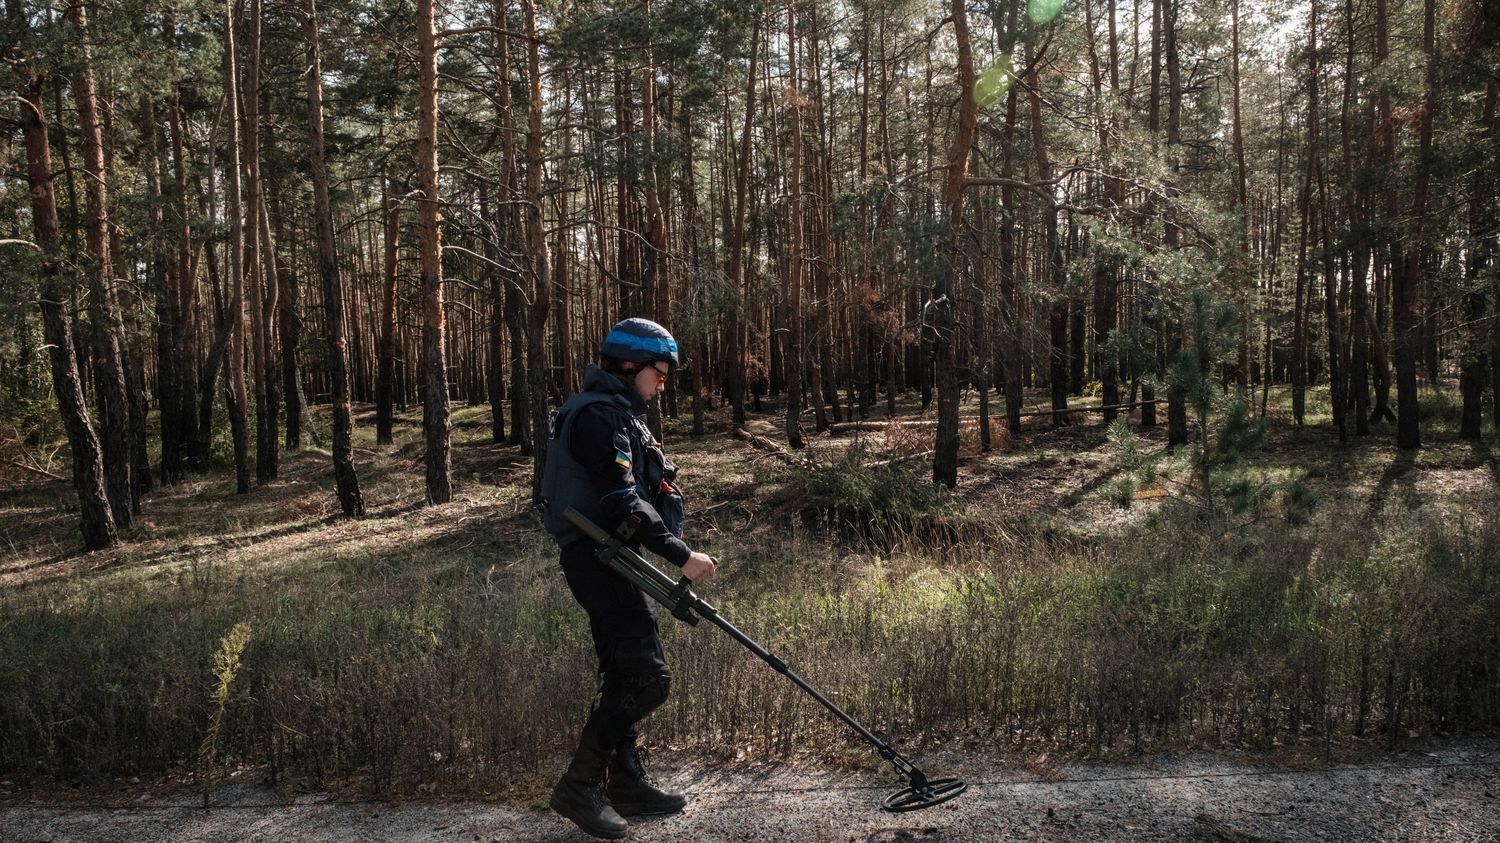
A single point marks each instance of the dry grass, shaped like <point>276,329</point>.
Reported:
<point>438,644</point>
<point>900,439</point>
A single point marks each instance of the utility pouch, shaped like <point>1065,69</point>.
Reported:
<point>671,507</point>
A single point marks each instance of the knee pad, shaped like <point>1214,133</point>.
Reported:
<point>647,691</point>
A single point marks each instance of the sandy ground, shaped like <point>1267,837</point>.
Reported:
<point>1444,790</point>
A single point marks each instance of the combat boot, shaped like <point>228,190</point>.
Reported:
<point>579,795</point>
<point>632,792</point>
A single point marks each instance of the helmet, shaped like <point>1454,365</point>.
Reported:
<point>639,341</point>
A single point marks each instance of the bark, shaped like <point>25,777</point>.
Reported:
<point>494,325</point>
<point>262,277</point>
<point>1052,254</point>
<point>536,242</point>
<point>185,293</point>
<point>1357,255</point>
<point>386,364</point>
<point>1407,280</point>
<point>96,520</point>
<point>1336,364</point>
<point>234,331</point>
<point>347,482</point>
<point>1476,350</point>
<point>1494,213</point>
<point>945,305</point>
<point>1010,315</point>
<point>1243,290</point>
<point>104,307</point>
<point>1177,433</point>
<point>162,288</point>
<point>435,403</point>
<point>508,224</point>
<point>290,325</point>
<point>736,333</point>
<point>654,282</point>
<point>792,352</point>
<point>819,360</point>
<point>695,267</point>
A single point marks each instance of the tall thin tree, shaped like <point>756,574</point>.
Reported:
<point>350,499</point>
<point>104,306</point>
<point>435,402</point>
<point>97,521</point>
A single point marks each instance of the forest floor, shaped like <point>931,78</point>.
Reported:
<point>743,507</point>
<point>1438,790</point>
<point>1044,478</point>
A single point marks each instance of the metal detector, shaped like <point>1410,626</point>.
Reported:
<point>679,599</point>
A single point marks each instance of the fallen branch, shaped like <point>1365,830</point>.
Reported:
<point>1088,409</point>
<point>869,426</point>
<point>879,426</point>
<point>920,455</point>
<point>42,471</point>
<point>769,447</point>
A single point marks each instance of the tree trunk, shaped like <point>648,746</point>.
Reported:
<point>1010,312</point>
<point>1242,286</point>
<point>262,278</point>
<point>494,325</point>
<point>186,292</point>
<point>162,287</point>
<point>435,405</point>
<point>1407,280</point>
<point>1316,176</point>
<point>350,499</point>
<point>736,334</point>
<point>944,295</point>
<point>387,363</point>
<point>1481,216</point>
<point>1057,372</point>
<point>109,343</point>
<point>234,331</point>
<point>289,303</point>
<point>536,242</point>
<point>97,522</point>
<point>793,347</point>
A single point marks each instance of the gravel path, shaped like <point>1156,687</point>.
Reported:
<point>1446,790</point>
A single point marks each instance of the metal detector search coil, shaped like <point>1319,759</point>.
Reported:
<point>679,599</point>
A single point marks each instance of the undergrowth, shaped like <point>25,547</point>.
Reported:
<point>392,676</point>
<point>872,499</point>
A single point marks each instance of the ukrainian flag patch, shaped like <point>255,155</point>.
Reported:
<point>622,459</point>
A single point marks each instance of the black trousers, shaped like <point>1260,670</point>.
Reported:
<point>633,673</point>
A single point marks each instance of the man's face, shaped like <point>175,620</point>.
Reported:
<point>651,379</point>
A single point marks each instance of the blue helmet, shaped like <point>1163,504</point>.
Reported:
<point>639,341</point>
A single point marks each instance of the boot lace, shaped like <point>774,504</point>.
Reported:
<point>643,763</point>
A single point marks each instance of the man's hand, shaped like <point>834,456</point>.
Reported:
<point>698,567</point>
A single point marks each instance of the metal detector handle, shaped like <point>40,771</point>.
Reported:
<point>677,597</point>
<point>682,599</point>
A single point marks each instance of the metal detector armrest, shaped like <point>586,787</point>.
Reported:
<point>615,553</point>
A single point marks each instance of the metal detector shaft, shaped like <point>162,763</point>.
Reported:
<point>679,599</point>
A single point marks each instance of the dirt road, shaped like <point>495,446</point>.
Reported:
<point>1443,790</point>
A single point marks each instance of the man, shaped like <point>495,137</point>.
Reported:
<point>603,461</point>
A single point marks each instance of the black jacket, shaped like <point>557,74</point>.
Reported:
<point>603,461</point>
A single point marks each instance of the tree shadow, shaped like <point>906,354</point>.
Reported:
<point>1398,471</point>
<point>1485,456</point>
<point>1076,496</point>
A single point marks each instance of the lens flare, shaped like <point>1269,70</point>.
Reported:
<point>993,82</point>
<point>1042,11</point>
